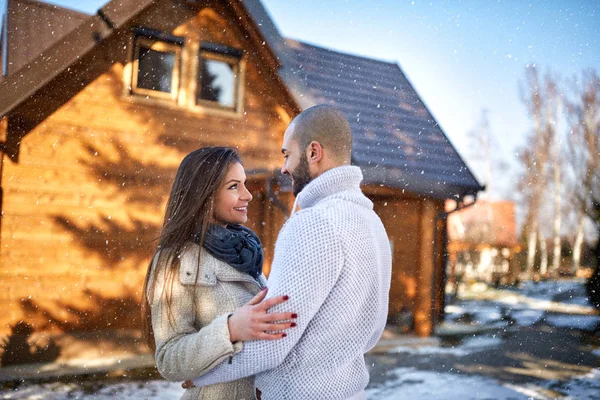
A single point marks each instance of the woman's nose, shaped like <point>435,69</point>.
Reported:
<point>247,196</point>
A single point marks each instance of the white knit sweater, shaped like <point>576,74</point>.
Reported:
<point>333,259</point>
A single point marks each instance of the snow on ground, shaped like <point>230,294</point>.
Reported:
<point>468,346</point>
<point>151,390</point>
<point>582,322</point>
<point>586,387</point>
<point>527,305</point>
<point>417,384</point>
<point>412,383</point>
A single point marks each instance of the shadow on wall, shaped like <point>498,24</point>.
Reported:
<point>135,185</point>
<point>99,313</point>
<point>99,320</point>
<point>112,240</point>
<point>18,348</point>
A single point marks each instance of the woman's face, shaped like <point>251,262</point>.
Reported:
<point>231,201</point>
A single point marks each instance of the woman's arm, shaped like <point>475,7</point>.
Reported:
<point>183,352</point>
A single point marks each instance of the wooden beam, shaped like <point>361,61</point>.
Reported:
<point>425,284</point>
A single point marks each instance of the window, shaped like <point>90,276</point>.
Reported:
<point>156,66</point>
<point>203,77</point>
<point>218,76</point>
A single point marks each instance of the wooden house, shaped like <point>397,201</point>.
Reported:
<point>95,121</point>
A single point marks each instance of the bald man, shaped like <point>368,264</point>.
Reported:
<point>333,260</point>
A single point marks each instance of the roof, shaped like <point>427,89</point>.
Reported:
<point>396,141</point>
<point>65,52</point>
<point>486,222</point>
<point>33,26</point>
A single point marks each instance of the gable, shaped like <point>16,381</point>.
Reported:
<point>104,40</point>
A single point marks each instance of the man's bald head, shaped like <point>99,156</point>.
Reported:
<point>328,126</point>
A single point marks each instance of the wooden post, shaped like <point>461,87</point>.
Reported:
<point>3,130</point>
<point>440,264</point>
<point>425,285</point>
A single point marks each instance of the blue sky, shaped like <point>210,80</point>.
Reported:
<point>461,56</point>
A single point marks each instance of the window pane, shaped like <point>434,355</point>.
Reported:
<point>217,82</point>
<point>155,70</point>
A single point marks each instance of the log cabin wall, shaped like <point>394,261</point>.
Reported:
<point>85,200</point>
<point>416,287</point>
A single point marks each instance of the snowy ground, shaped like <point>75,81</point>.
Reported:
<point>507,321</point>
<point>411,383</point>
<point>552,319</point>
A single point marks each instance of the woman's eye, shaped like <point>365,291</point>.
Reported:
<point>234,186</point>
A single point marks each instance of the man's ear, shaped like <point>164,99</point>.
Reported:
<point>314,152</point>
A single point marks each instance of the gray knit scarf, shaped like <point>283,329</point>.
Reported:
<point>237,246</point>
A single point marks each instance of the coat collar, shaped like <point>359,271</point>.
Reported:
<point>210,269</point>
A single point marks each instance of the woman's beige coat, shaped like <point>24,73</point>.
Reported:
<point>198,339</point>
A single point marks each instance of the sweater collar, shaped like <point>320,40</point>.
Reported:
<point>335,180</point>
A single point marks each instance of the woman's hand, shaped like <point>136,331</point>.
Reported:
<point>253,322</point>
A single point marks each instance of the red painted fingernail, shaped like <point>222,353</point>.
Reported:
<point>263,289</point>
<point>283,335</point>
<point>293,324</point>
<point>294,315</point>
<point>286,297</point>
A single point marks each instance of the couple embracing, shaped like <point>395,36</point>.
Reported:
<point>213,319</point>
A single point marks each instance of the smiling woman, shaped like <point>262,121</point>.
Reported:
<point>231,204</point>
<point>204,288</point>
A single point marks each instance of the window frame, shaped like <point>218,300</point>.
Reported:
<point>156,44</point>
<point>221,53</point>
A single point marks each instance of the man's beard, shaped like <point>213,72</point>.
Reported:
<point>301,176</point>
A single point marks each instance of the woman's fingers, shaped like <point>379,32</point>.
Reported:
<point>259,297</point>
<point>272,336</point>
<point>277,317</point>
<point>273,301</point>
<point>277,327</point>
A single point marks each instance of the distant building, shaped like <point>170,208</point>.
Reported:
<point>483,242</point>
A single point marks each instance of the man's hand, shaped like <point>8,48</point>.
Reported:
<point>253,322</point>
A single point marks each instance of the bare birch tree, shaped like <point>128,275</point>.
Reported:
<point>553,112</point>
<point>583,154</point>
<point>539,98</point>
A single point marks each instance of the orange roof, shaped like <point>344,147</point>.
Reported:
<point>486,222</point>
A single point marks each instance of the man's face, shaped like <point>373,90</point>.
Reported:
<point>295,163</point>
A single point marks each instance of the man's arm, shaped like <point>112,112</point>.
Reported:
<point>307,263</point>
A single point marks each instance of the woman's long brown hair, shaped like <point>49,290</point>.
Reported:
<point>188,214</point>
